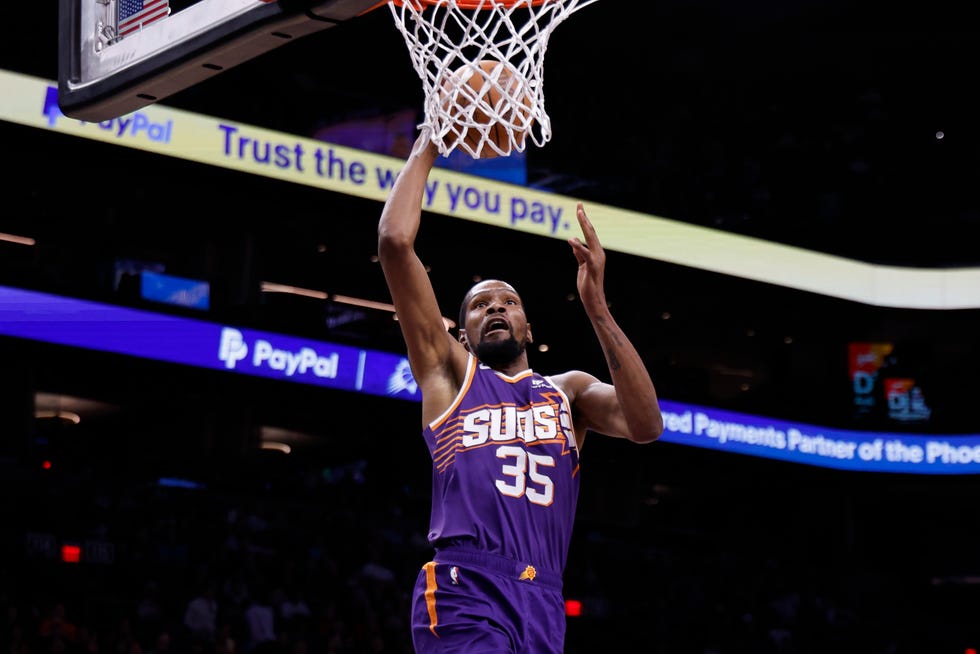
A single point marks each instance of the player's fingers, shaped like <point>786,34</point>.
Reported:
<point>587,229</point>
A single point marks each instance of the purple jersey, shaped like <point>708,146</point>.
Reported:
<point>505,468</point>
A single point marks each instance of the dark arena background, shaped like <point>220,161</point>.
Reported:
<point>140,483</point>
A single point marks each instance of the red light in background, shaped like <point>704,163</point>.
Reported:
<point>71,553</point>
<point>970,650</point>
<point>46,464</point>
<point>573,608</point>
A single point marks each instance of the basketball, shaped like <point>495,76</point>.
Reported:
<point>486,101</point>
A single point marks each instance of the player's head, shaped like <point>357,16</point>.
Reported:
<point>492,323</point>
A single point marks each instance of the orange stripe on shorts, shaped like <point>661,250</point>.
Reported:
<point>430,595</point>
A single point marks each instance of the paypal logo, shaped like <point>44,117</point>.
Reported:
<point>133,125</point>
<point>291,359</point>
<point>233,348</point>
<point>52,111</point>
<point>264,354</point>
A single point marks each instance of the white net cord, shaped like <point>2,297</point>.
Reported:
<point>447,40</point>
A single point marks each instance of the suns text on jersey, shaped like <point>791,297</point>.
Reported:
<point>511,423</point>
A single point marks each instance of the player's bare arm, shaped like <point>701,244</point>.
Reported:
<point>628,407</point>
<point>437,359</point>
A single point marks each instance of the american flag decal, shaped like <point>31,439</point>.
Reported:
<point>136,14</point>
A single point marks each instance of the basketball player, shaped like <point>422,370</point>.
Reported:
<point>504,440</point>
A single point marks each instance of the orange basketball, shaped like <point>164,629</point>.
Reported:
<point>494,90</point>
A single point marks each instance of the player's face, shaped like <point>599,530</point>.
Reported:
<point>496,328</point>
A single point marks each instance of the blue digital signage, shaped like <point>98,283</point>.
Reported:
<point>179,291</point>
<point>187,341</point>
<point>843,449</point>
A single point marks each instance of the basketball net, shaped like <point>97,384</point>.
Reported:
<point>448,38</point>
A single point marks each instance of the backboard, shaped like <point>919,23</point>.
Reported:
<point>117,56</point>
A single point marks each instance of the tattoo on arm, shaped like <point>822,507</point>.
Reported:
<point>611,359</point>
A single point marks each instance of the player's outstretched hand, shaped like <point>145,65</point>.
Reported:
<point>591,264</point>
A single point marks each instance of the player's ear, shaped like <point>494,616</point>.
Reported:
<point>464,340</point>
<point>530,336</point>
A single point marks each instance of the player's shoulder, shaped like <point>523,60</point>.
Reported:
<point>573,382</point>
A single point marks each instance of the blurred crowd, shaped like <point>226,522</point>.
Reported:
<point>325,564</point>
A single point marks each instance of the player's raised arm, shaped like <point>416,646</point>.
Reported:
<point>628,408</point>
<point>428,342</point>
